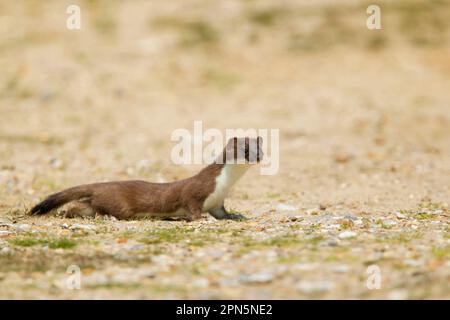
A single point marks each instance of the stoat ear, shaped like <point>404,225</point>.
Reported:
<point>233,141</point>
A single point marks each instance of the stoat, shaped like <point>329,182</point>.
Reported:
<point>203,192</point>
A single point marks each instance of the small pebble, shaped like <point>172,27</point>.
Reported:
<point>83,226</point>
<point>257,278</point>
<point>341,268</point>
<point>400,215</point>
<point>314,287</point>
<point>347,235</point>
<point>56,163</point>
<point>23,227</point>
<point>389,223</point>
<point>306,266</point>
<point>414,263</point>
<point>5,250</point>
<point>200,283</point>
<point>399,294</point>
<point>329,243</point>
<point>143,164</point>
<point>285,207</point>
<point>136,247</point>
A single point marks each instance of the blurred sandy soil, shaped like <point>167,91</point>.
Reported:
<point>364,119</point>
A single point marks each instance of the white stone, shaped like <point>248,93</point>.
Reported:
<point>257,278</point>
<point>314,287</point>
<point>285,207</point>
<point>400,215</point>
<point>5,250</point>
<point>389,223</point>
<point>23,227</point>
<point>341,268</point>
<point>414,263</point>
<point>399,294</point>
<point>306,266</point>
<point>83,226</point>
<point>347,235</point>
<point>56,163</point>
<point>143,164</point>
<point>201,283</point>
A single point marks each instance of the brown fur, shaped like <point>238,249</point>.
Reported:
<point>126,199</point>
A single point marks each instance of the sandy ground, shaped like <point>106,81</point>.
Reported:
<point>364,120</point>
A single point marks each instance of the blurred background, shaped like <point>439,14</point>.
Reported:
<point>105,98</point>
<point>363,114</point>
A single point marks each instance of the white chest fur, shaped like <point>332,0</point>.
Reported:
<point>224,181</point>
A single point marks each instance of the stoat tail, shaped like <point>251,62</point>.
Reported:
<point>58,199</point>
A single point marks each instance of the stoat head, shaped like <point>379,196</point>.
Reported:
<point>243,150</point>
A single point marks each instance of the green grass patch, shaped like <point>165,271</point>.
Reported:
<point>53,243</point>
<point>191,32</point>
<point>198,33</point>
<point>295,226</point>
<point>27,242</point>
<point>423,216</point>
<point>401,238</point>
<point>220,79</point>
<point>194,237</point>
<point>442,252</point>
<point>280,241</point>
<point>267,17</point>
<point>115,285</point>
<point>105,24</point>
<point>340,254</point>
<point>381,223</point>
<point>22,138</point>
<point>312,228</point>
<point>63,243</point>
<point>246,244</point>
<point>273,195</point>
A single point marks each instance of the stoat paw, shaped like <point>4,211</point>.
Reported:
<point>236,216</point>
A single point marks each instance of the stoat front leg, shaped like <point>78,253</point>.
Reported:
<point>195,212</point>
<point>221,213</point>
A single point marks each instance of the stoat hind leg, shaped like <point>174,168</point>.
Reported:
<point>221,213</point>
<point>79,209</point>
<point>194,212</point>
